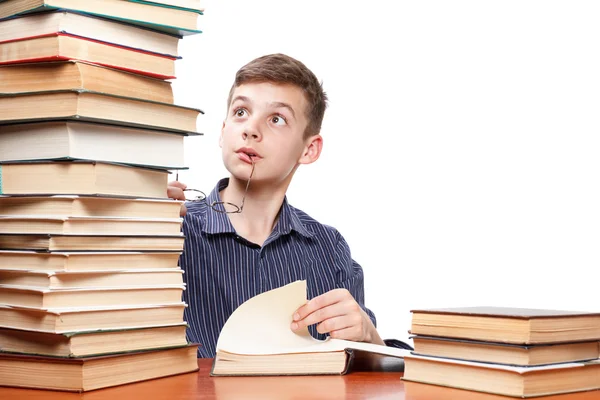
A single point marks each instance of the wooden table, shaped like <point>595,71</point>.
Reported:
<point>356,385</point>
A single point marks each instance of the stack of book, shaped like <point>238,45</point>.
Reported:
<point>90,287</point>
<point>508,351</point>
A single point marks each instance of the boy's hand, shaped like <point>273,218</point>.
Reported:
<point>175,191</point>
<point>337,313</point>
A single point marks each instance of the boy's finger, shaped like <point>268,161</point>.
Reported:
<point>324,300</point>
<point>350,333</point>
<point>320,315</point>
<point>178,184</point>
<point>334,324</point>
<point>175,193</point>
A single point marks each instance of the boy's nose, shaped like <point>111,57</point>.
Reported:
<point>252,131</point>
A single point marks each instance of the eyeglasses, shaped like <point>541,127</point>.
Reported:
<point>221,206</point>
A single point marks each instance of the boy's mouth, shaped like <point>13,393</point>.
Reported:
<point>248,155</point>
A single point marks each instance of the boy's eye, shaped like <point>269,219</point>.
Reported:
<point>240,112</point>
<point>278,120</point>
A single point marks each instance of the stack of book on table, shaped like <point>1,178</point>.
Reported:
<point>90,287</point>
<point>508,351</point>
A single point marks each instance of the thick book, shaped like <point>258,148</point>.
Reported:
<point>87,261</point>
<point>88,243</point>
<point>73,319</point>
<point>504,353</point>
<point>64,46</point>
<point>502,379</point>
<point>89,206</point>
<point>89,343</point>
<point>82,178</point>
<point>99,107</point>
<point>161,16</point>
<point>51,224</point>
<point>91,279</point>
<point>79,75</point>
<point>91,27</point>
<point>65,140</point>
<point>90,373</point>
<point>507,325</point>
<point>23,296</point>
<point>257,340</point>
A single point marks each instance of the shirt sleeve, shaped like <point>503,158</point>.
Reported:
<point>351,275</point>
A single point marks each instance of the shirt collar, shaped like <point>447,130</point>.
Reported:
<point>289,220</point>
<point>217,222</point>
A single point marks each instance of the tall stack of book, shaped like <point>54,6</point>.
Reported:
<point>90,287</point>
<point>508,351</point>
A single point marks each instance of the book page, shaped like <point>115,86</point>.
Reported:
<point>261,325</point>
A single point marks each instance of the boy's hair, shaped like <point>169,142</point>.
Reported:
<point>282,69</point>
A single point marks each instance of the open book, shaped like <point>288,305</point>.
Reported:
<point>257,340</point>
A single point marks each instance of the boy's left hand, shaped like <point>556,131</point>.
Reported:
<point>337,313</point>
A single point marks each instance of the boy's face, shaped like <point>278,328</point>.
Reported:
<point>265,124</point>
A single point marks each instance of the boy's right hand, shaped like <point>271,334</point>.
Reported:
<point>175,191</point>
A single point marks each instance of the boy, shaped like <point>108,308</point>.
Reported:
<point>275,109</point>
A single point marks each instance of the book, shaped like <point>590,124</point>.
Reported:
<point>257,340</point>
<point>503,353</point>
<point>82,178</point>
<point>89,343</point>
<point>90,243</point>
<point>64,46</point>
<point>507,325</point>
<point>89,225</point>
<point>91,27</point>
<point>79,75</point>
<point>87,261</point>
<point>90,373</point>
<point>189,4</point>
<point>65,140</point>
<point>162,17</point>
<point>72,319</point>
<point>23,296</point>
<point>98,107</point>
<point>89,206</point>
<point>501,379</point>
<point>91,279</point>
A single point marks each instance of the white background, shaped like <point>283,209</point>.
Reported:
<point>461,145</point>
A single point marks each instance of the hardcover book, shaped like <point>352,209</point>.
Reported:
<point>90,373</point>
<point>507,325</point>
<point>84,105</point>
<point>80,75</point>
<point>166,16</point>
<point>82,178</point>
<point>88,26</point>
<point>60,46</point>
<point>502,379</point>
<point>92,343</point>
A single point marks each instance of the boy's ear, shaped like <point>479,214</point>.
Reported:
<point>221,136</point>
<point>312,151</point>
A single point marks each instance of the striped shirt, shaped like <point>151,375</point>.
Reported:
<point>223,270</point>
